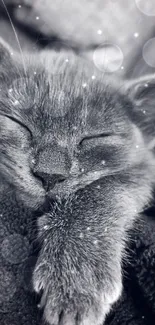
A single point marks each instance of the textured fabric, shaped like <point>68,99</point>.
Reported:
<point>17,237</point>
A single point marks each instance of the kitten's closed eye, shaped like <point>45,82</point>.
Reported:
<point>105,149</point>
<point>18,122</point>
<point>94,139</point>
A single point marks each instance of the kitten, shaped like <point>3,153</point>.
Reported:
<point>85,146</point>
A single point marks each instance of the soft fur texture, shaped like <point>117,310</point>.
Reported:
<point>83,149</point>
<point>136,306</point>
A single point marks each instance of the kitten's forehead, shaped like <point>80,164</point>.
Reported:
<point>64,97</point>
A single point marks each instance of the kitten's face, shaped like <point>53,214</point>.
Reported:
<point>63,131</point>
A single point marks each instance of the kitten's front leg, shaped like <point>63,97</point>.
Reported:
<point>79,274</point>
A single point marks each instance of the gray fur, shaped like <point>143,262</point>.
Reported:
<point>84,146</point>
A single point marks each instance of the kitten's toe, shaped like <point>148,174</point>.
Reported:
<point>93,319</point>
<point>62,319</point>
<point>96,315</point>
<point>58,316</point>
<point>40,277</point>
<point>68,320</point>
<point>102,306</point>
<point>51,318</point>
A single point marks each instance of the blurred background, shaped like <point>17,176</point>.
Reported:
<point>117,35</point>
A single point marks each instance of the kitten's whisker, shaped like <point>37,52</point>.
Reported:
<point>16,36</point>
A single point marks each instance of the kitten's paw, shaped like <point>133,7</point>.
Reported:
<point>93,314</point>
<point>73,301</point>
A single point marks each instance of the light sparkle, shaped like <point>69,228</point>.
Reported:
<point>99,32</point>
<point>103,162</point>
<point>16,102</point>
<point>136,35</point>
<point>46,227</point>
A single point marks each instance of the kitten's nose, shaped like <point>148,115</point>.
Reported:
<point>49,181</point>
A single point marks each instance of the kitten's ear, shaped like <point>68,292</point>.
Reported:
<point>142,94</point>
<point>5,54</point>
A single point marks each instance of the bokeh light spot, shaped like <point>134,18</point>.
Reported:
<point>147,7</point>
<point>15,249</point>
<point>148,49</point>
<point>108,57</point>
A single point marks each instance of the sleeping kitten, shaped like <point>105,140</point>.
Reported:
<point>72,138</point>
